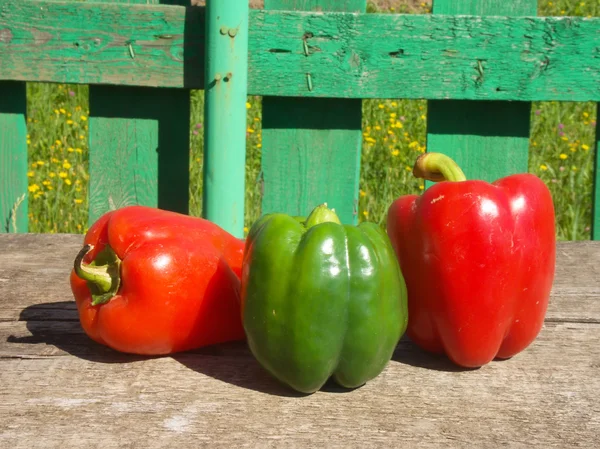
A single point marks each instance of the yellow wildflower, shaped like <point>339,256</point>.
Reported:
<point>81,136</point>
<point>56,111</point>
<point>30,174</point>
<point>423,117</point>
<point>70,149</point>
<point>394,104</point>
<point>362,193</point>
<point>408,168</point>
<point>413,144</point>
<point>259,145</point>
<point>46,183</point>
<point>78,150</point>
<point>573,168</point>
<point>248,105</point>
<point>422,187</point>
<point>378,128</point>
<point>83,117</point>
<point>56,161</point>
<point>586,115</point>
<point>33,188</point>
<point>370,140</point>
<point>66,165</point>
<point>78,201</point>
<point>62,111</point>
<point>250,130</point>
<point>68,181</point>
<point>70,122</point>
<point>563,156</point>
<point>585,147</point>
<point>380,106</point>
<point>543,167</point>
<point>365,213</point>
<point>52,174</point>
<point>393,115</point>
<point>399,125</point>
<point>565,138</point>
<point>63,174</point>
<point>395,153</point>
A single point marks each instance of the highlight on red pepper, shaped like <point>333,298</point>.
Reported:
<point>152,282</point>
<point>478,259</point>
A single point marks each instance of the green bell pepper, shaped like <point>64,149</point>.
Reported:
<point>321,299</point>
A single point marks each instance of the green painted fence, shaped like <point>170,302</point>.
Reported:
<point>479,63</point>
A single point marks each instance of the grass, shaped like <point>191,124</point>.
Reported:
<point>561,151</point>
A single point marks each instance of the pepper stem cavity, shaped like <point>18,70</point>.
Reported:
<point>321,214</point>
<point>437,167</point>
<point>103,274</point>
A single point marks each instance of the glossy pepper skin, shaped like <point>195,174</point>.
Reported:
<point>321,299</point>
<point>478,259</point>
<point>152,282</point>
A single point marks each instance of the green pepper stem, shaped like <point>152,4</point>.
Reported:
<point>321,214</point>
<point>102,275</point>
<point>438,167</point>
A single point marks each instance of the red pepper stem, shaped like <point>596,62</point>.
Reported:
<point>102,274</point>
<point>438,167</point>
<point>321,214</point>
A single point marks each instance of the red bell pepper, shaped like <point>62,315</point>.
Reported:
<point>478,260</point>
<point>149,281</point>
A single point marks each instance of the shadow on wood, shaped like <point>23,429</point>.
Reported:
<point>57,324</point>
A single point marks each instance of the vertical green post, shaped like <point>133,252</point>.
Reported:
<point>596,197</point>
<point>312,146</point>
<point>139,142</point>
<point>489,139</point>
<point>13,157</point>
<point>225,93</point>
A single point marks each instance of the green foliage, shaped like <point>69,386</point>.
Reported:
<point>561,151</point>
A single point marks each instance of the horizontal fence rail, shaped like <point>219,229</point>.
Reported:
<point>309,54</point>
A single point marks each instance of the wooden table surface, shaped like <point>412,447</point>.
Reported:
<point>60,389</point>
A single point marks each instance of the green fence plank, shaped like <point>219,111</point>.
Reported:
<point>488,139</point>
<point>596,198</point>
<point>428,56</point>
<point>13,157</point>
<point>225,114</point>
<point>139,145</point>
<point>311,147</point>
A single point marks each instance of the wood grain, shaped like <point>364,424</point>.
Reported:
<point>488,140</point>
<point>62,390</point>
<point>13,156</point>
<point>351,56</point>
<point>311,147</point>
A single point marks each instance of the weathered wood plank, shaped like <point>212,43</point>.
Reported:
<point>547,396</point>
<point>139,148</point>
<point>311,147</point>
<point>544,397</point>
<point>488,140</point>
<point>47,259</point>
<point>139,144</point>
<point>13,156</point>
<point>351,56</point>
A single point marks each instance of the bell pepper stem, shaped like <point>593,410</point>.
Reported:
<point>437,167</point>
<point>321,214</point>
<point>102,274</point>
